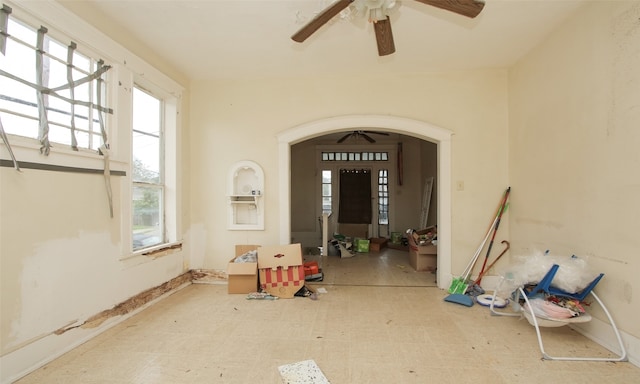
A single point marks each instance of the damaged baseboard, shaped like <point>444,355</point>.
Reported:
<point>200,276</point>
<point>209,276</point>
<point>133,303</point>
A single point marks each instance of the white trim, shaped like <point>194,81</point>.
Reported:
<point>415,128</point>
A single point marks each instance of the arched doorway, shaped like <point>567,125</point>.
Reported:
<point>419,129</point>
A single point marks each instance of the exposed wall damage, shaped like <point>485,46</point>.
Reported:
<point>208,276</point>
<point>133,303</point>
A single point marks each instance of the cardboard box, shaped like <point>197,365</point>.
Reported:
<point>423,256</point>
<point>281,270</point>
<point>376,244</point>
<point>422,261</point>
<point>242,277</point>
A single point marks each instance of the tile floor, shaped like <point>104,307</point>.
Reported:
<point>355,333</point>
<point>390,267</point>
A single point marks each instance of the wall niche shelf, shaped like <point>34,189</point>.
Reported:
<point>245,196</point>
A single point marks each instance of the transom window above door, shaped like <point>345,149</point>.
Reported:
<point>355,156</point>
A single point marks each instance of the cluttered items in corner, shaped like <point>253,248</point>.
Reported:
<point>423,248</point>
<point>556,286</point>
<point>342,246</point>
<point>347,247</point>
<point>460,286</point>
<point>271,272</point>
<point>551,291</point>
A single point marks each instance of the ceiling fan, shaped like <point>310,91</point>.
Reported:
<point>364,134</point>
<point>377,10</point>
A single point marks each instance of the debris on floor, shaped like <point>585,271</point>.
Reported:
<point>261,296</point>
<point>342,246</point>
<point>306,292</point>
<point>312,272</point>
<point>303,372</point>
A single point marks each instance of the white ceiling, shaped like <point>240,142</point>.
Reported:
<point>214,39</point>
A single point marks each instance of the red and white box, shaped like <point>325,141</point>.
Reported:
<point>281,270</point>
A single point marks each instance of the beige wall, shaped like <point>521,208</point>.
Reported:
<point>574,118</point>
<point>233,121</point>
<point>561,128</point>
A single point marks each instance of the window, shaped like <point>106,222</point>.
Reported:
<point>147,170</point>
<point>355,156</point>
<point>68,111</point>
<point>383,197</point>
<point>326,191</point>
<point>46,77</point>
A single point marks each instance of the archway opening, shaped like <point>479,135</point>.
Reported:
<point>415,128</point>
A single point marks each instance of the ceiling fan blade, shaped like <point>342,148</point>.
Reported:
<point>321,19</point>
<point>468,8</point>
<point>384,37</point>
<point>345,137</point>
<point>368,138</point>
<point>377,133</point>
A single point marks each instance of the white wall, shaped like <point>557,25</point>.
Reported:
<point>574,117</point>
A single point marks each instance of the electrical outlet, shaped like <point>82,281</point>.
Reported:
<point>460,185</point>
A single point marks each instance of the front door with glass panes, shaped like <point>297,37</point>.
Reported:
<point>379,164</point>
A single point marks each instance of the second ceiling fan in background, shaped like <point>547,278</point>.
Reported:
<point>377,10</point>
<point>364,134</point>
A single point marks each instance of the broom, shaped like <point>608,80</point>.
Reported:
<point>459,284</point>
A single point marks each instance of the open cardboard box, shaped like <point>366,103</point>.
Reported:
<point>281,270</point>
<point>242,277</point>
<point>423,256</point>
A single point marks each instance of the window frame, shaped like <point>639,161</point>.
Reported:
<point>168,164</point>
<point>322,190</point>
<point>27,148</point>
<point>159,185</point>
<point>126,69</point>
<point>383,197</point>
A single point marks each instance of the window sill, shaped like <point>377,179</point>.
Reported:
<point>27,150</point>
<point>152,253</point>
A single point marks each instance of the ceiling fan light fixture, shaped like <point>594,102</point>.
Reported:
<point>376,9</point>
<point>376,14</point>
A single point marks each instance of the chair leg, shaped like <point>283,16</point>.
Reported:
<point>493,300</point>
<point>546,356</point>
<point>623,351</point>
